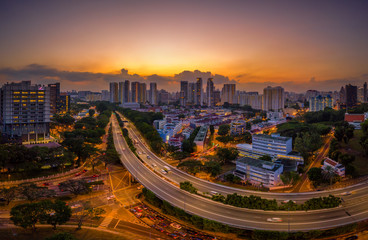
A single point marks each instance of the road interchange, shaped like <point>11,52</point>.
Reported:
<point>353,209</point>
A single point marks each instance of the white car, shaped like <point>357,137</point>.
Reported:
<point>110,197</point>
<point>77,205</point>
<point>286,201</point>
<point>154,165</point>
<point>274,219</point>
<point>345,193</point>
<point>213,193</point>
<point>163,171</point>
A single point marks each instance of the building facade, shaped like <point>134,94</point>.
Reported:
<point>114,92</point>
<point>153,93</point>
<point>259,172</point>
<point>319,103</point>
<point>25,111</point>
<point>209,91</point>
<point>273,99</point>
<point>228,94</point>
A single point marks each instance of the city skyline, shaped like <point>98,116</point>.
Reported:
<point>296,45</point>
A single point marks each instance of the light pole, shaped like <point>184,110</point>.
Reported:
<point>289,219</point>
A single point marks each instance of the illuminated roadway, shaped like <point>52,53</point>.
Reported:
<point>352,210</point>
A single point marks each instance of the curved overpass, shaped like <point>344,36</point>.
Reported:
<point>354,208</point>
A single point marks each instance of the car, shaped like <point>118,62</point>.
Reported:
<point>77,205</point>
<point>78,174</point>
<point>139,188</point>
<point>345,193</point>
<point>123,149</point>
<point>95,175</point>
<point>213,193</point>
<point>274,219</point>
<point>163,171</point>
<point>110,197</point>
<point>45,184</point>
<point>148,157</point>
<point>84,170</point>
<point>154,165</point>
<point>138,209</point>
<point>286,201</point>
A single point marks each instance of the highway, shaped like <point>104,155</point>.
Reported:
<point>352,210</point>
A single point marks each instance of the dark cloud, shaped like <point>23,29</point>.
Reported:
<point>97,81</point>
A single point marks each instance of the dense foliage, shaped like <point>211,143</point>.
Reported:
<point>187,186</point>
<point>214,226</point>
<point>255,202</point>
<point>29,214</point>
<point>143,121</point>
<point>195,166</point>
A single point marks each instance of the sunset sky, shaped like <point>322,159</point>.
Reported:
<point>86,44</point>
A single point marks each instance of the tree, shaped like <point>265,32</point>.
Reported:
<point>26,215</point>
<point>225,139</point>
<point>187,186</point>
<point>95,161</point>
<point>61,236</point>
<point>289,177</point>
<point>91,112</point>
<point>212,167</point>
<point>328,173</point>
<point>56,213</point>
<point>315,174</point>
<point>32,192</point>
<point>224,129</point>
<point>77,187</point>
<point>227,155</point>
<point>232,178</point>
<point>88,212</point>
<point>307,143</point>
<point>8,194</point>
<point>346,159</point>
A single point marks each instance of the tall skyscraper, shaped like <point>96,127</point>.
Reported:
<point>142,93</point>
<point>199,92</point>
<point>191,93</point>
<point>114,92</point>
<point>54,97</point>
<point>121,92</point>
<point>228,94</point>
<point>126,93</point>
<point>25,111</point>
<point>209,91</point>
<point>216,97</point>
<point>135,91</point>
<point>273,98</point>
<point>351,95</point>
<point>153,93</point>
<point>184,88</point>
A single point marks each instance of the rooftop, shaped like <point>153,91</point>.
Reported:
<point>259,163</point>
<point>272,136</point>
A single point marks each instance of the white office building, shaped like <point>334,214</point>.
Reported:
<point>273,145</point>
<point>259,172</point>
